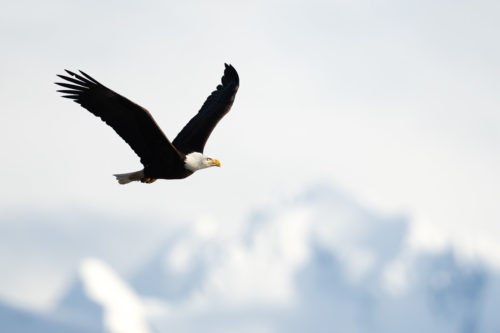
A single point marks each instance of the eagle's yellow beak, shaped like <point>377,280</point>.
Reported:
<point>216,162</point>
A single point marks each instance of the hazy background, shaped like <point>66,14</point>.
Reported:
<point>386,111</point>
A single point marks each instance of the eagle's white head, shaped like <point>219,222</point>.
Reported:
<point>196,161</point>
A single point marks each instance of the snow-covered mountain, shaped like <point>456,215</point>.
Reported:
<point>320,262</point>
<point>77,306</point>
<point>101,301</point>
<point>14,320</point>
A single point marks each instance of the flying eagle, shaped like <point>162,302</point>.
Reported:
<point>161,158</point>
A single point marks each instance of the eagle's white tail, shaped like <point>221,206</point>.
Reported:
<point>125,178</point>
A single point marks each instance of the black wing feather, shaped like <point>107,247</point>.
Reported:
<point>196,132</point>
<point>131,122</point>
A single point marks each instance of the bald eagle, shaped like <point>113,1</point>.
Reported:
<point>161,158</point>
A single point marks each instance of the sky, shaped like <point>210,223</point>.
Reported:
<point>394,102</point>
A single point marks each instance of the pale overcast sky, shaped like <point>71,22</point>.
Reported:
<point>394,102</point>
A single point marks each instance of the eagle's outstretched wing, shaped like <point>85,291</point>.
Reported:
<point>132,122</point>
<point>195,134</point>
